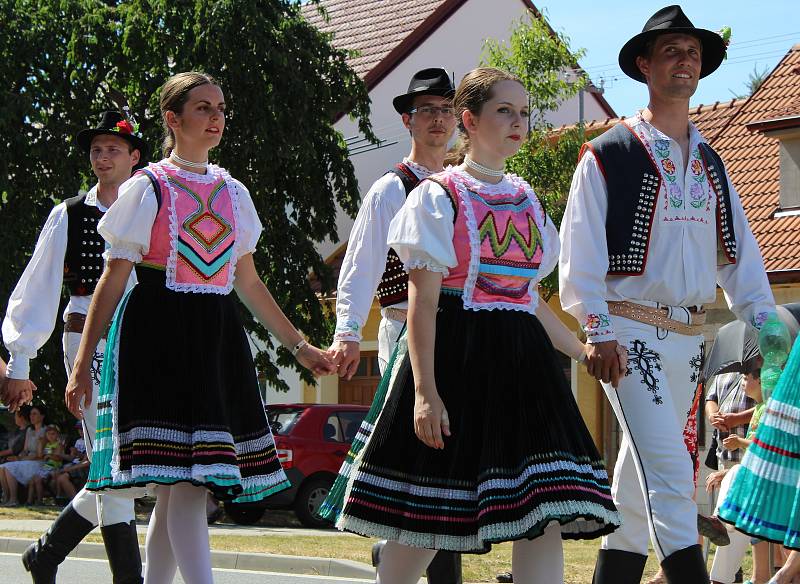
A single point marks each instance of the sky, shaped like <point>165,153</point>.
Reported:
<point>762,33</point>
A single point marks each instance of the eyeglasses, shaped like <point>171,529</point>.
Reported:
<point>431,111</point>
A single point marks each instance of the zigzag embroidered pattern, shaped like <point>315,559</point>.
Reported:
<point>488,228</point>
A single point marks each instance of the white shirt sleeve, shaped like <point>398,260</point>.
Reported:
<point>365,259</point>
<point>422,231</point>
<point>249,227</point>
<point>126,226</point>
<point>583,263</point>
<point>33,306</point>
<point>745,283</point>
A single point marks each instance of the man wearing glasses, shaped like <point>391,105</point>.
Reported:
<point>370,265</point>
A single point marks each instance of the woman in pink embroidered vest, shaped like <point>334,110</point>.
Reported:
<point>497,450</point>
<point>179,411</point>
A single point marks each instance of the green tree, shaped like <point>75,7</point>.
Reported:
<point>285,86</point>
<point>546,65</point>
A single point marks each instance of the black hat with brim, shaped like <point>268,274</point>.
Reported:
<point>114,124</point>
<point>672,20</point>
<point>433,81</point>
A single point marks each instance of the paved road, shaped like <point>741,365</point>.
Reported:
<point>80,571</point>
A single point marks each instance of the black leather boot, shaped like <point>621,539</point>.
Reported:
<point>445,568</point>
<point>122,549</point>
<point>618,567</point>
<point>686,566</point>
<point>42,558</point>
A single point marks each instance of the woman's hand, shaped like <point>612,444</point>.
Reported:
<point>733,442</point>
<point>79,391</point>
<point>714,479</point>
<point>316,360</point>
<point>430,418</point>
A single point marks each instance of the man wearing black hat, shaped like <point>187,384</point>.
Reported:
<point>69,252</point>
<point>369,264</point>
<point>652,225</point>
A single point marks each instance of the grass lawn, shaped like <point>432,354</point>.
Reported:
<point>579,556</point>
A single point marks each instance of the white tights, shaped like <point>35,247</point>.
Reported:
<point>533,561</point>
<point>177,536</point>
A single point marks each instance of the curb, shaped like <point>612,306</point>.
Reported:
<point>230,560</point>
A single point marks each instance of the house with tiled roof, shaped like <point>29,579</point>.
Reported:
<point>391,41</point>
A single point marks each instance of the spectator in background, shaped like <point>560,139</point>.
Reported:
<point>50,452</point>
<point>72,476</point>
<point>16,440</point>
<point>728,410</point>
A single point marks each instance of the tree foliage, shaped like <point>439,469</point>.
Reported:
<point>546,65</point>
<point>284,83</point>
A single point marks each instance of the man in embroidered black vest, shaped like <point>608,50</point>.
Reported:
<point>69,252</point>
<point>427,113</point>
<point>652,225</point>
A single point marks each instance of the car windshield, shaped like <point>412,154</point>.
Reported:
<point>282,420</point>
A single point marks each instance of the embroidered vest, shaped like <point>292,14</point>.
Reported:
<point>83,260</point>
<point>195,230</point>
<point>633,181</point>
<point>498,243</point>
<point>393,287</point>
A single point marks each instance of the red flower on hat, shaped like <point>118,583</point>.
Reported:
<point>124,127</point>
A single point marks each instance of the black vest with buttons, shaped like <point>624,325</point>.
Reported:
<point>83,262</point>
<point>633,182</point>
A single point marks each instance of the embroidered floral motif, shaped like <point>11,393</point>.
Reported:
<point>647,362</point>
<point>696,363</point>
<point>668,165</point>
<point>759,319</point>
<point>596,324</point>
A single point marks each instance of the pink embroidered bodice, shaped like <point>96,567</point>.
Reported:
<point>498,241</point>
<point>195,230</point>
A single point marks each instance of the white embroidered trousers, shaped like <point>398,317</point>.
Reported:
<point>653,480</point>
<point>106,509</point>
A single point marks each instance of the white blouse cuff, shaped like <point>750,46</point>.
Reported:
<point>18,367</point>
<point>425,263</point>
<point>598,328</point>
<point>122,252</point>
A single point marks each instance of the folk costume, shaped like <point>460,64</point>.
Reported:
<point>371,268</point>
<point>69,253</point>
<point>644,243</point>
<point>520,457</point>
<point>195,413</point>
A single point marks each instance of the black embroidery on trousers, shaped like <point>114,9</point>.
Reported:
<point>696,363</point>
<point>96,368</point>
<point>647,362</point>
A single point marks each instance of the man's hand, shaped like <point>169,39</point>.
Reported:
<point>718,420</point>
<point>346,355</point>
<point>17,392</point>
<point>603,362</point>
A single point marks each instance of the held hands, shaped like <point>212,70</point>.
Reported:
<point>16,392</point>
<point>345,355</point>
<point>606,361</point>
<point>720,421</point>
<point>315,360</point>
<point>430,418</point>
<point>79,391</point>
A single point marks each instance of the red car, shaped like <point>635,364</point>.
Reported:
<point>312,441</point>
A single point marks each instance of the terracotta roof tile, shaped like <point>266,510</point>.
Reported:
<point>371,27</point>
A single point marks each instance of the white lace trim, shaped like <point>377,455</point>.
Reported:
<point>122,253</point>
<point>207,178</point>
<point>172,260</point>
<point>425,264</point>
<point>418,169</point>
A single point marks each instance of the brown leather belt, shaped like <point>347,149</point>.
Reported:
<point>395,313</point>
<point>75,322</point>
<point>659,317</point>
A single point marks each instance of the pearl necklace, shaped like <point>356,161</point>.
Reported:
<point>199,165</point>
<point>483,169</point>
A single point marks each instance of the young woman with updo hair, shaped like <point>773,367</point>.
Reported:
<point>479,440</point>
<point>180,412</point>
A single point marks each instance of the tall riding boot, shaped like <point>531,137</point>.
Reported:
<point>618,567</point>
<point>42,558</point>
<point>445,568</point>
<point>122,549</point>
<point>686,566</point>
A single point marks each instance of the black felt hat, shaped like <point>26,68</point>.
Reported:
<point>672,20</point>
<point>114,124</point>
<point>433,81</point>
